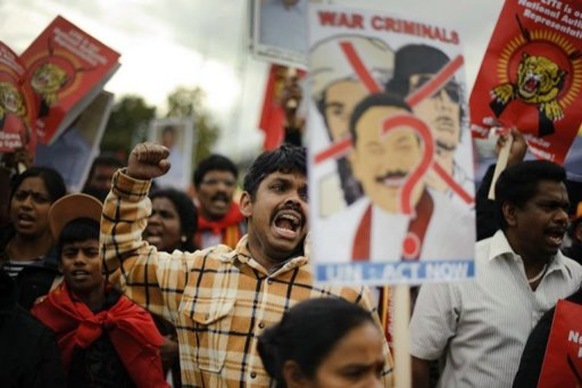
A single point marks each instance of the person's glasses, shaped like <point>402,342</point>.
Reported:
<point>451,88</point>
<point>212,182</point>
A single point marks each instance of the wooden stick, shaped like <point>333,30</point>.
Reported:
<point>501,164</point>
<point>401,346</point>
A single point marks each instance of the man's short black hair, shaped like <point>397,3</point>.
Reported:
<point>374,100</point>
<point>214,162</point>
<point>518,184</point>
<point>286,159</point>
<point>78,230</point>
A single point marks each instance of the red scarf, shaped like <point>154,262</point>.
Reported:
<point>129,327</point>
<point>227,226</point>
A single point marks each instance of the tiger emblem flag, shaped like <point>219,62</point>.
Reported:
<point>17,106</point>
<point>531,76</point>
<point>66,68</point>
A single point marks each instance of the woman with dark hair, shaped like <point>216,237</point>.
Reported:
<point>26,246</point>
<point>172,225</point>
<point>173,221</point>
<point>324,342</point>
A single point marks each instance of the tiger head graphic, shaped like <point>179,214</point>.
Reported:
<point>47,81</point>
<point>539,80</point>
<point>11,101</point>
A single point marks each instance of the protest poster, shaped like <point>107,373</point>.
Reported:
<point>17,106</point>
<point>390,145</point>
<point>72,153</point>
<point>531,76</point>
<point>178,135</point>
<point>562,364</point>
<point>279,31</point>
<point>66,69</point>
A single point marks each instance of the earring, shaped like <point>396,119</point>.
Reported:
<point>183,238</point>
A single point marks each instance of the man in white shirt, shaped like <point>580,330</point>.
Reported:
<point>481,327</point>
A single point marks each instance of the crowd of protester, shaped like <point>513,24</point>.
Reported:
<point>127,285</point>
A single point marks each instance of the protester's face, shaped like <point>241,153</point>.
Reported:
<point>101,178</point>
<point>215,194</point>
<point>357,360</point>
<point>164,230</point>
<point>442,113</point>
<point>382,162</point>
<point>541,223</point>
<point>340,100</point>
<point>278,216</point>
<point>30,206</point>
<point>81,266</point>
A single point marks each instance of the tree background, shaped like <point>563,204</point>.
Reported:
<point>131,115</point>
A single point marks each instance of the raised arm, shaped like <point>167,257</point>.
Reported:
<point>138,268</point>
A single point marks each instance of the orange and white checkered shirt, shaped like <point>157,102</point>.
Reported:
<point>220,299</point>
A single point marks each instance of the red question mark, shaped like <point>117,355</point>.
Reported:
<point>417,173</point>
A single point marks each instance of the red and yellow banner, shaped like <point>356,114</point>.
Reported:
<point>531,76</point>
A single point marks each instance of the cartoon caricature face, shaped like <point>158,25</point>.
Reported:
<point>539,79</point>
<point>11,101</point>
<point>382,163</point>
<point>48,80</point>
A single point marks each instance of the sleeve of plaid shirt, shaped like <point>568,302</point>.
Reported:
<point>131,263</point>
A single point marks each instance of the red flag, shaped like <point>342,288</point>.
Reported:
<point>272,114</point>
<point>531,76</point>
<point>562,366</point>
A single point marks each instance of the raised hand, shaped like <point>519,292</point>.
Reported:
<point>148,160</point>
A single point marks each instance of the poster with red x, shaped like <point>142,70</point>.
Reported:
<point>391,178</point>
<point>531,76</point>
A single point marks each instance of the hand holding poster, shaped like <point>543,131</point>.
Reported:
<point>17,107</point>
<point>66,69</point>
<point>387,121</point>
<point>531,76</point>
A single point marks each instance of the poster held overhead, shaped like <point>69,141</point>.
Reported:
<point>17,105</point>
<point>279,31</point>
<point>178,135</point>
<point>73,152</point>
<point>66,69</point>
<point>377,93</point>
<point>531,76</point>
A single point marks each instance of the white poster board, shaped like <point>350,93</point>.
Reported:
<point>178,135</point>
<point>388,100</point>
<point>279,31</point>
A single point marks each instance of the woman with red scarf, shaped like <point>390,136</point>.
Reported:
<point>105,339</point>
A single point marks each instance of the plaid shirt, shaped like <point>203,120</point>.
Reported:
<point>219,299</point>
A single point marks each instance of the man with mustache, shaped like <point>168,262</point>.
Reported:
<point>480,327</point>
<point>414,66</point>
<point>382,163</point>
<point>219,218</point>
<point>220,299</point>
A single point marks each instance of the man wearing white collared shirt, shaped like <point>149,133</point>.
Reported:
<point>481,326</point>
